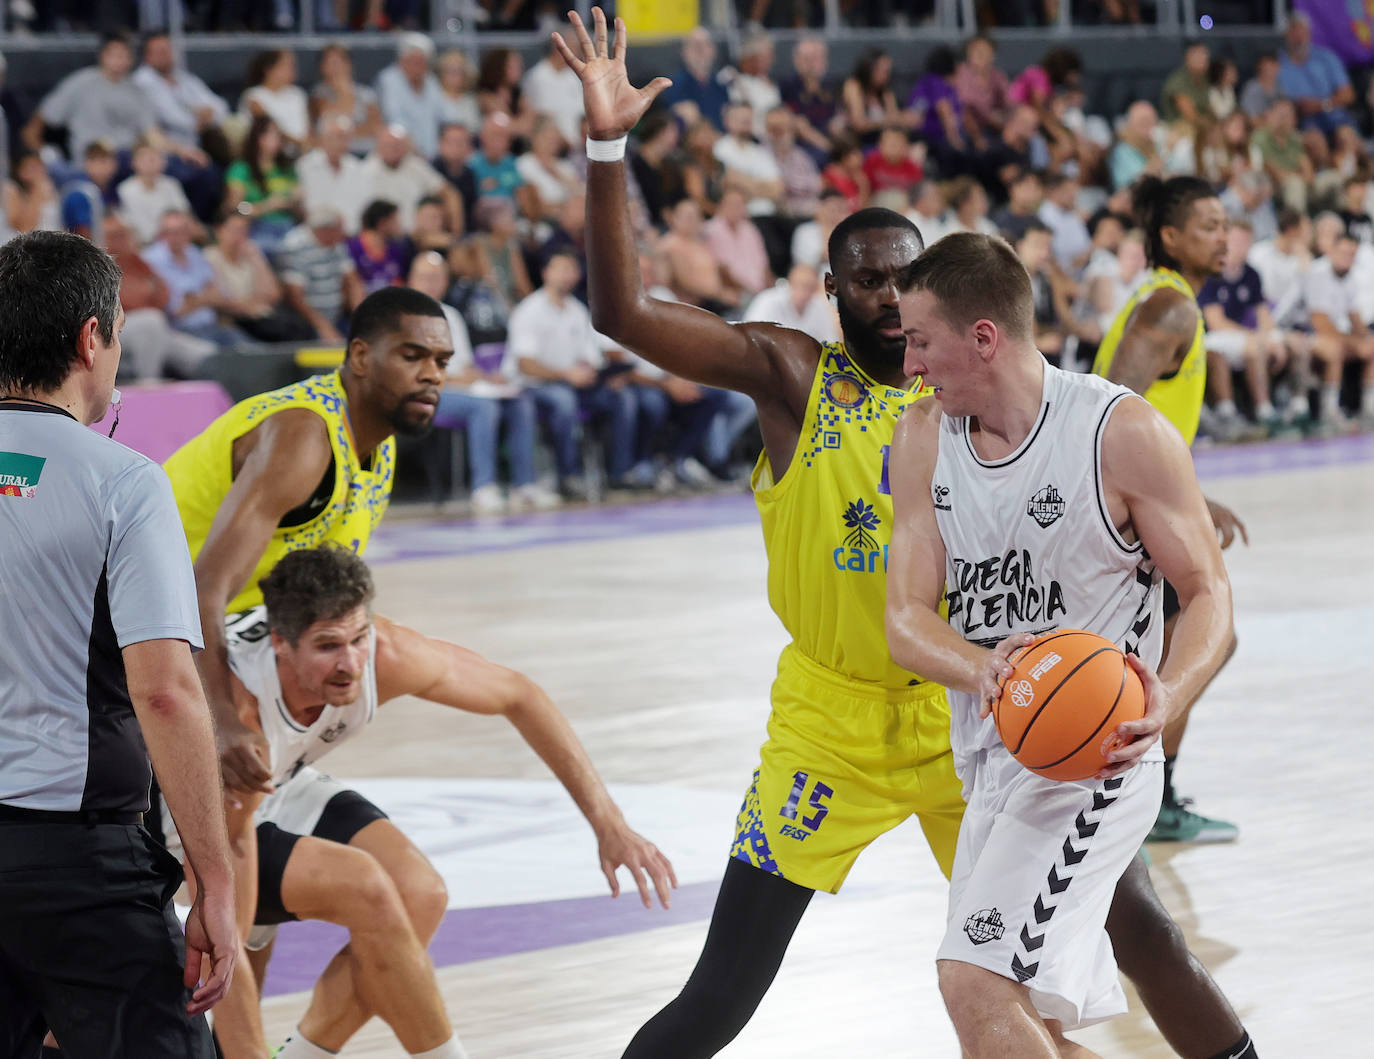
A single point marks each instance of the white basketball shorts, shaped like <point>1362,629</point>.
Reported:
<point>1034,873</point>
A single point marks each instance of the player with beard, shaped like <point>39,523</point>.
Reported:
<point>1155,347</point>
<point>308,464</point>
<point>856,745</point>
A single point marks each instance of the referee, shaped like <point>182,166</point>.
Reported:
<point>98,619</point>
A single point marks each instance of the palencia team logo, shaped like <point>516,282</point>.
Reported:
<point>984,925</point>
<point>1046,506</point>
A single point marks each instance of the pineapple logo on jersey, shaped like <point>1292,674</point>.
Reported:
<point>1046,506</point>
<point>860,551</point>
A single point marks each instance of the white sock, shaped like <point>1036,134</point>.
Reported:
<point>297,1047</point>
<point>1264,411</point>
<point>450,1049</point>
<point>1226,409</point>
<point>1331,398</point>
<point>1367,400</point>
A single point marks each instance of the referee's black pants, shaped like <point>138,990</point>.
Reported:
<point>90,947</point>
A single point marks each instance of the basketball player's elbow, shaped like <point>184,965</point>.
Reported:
<point>515,696</point>
<point>619,319</point>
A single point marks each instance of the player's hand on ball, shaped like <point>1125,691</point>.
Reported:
<point>614,106</point>
<point>619,846</point>
<point>996,668</point>
<point>1127,743</point>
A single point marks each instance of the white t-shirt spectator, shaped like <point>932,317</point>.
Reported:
<point>1281,280</point>
<point>760,93</point>
<point>552,190</point>
<point>143,206</point>
<point>343,188</point>
<point>557,336</point>
<point>462,344</point>
<point>405,185</point>
<point>557,93</point>
<point>288,107</point>
<point>754,161</point>
<point>774,306</point>
<point>1330,294</point>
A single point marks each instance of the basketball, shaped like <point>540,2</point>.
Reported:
<point>1067,691</point>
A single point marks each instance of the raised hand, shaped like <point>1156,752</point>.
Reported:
<point>613,105</point>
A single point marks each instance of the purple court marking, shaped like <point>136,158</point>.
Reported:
<point>467,934</point>
<point>411,540</point>
<point>405,541</point>
<point>1276,457</point>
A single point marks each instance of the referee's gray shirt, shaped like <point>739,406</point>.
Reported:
<point>94,559</point>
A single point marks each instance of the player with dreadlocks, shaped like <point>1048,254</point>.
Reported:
<point>1155,346</point>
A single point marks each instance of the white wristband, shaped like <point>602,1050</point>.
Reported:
<point>606,150</point>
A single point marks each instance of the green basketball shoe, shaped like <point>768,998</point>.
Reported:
<point>1178,823</point>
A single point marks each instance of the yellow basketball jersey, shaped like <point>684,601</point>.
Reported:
<point>1177,396</point>
<point>201,474</point>
<point>827,523</point>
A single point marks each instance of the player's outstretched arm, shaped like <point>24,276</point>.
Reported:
<point>289,457</point>
<point>1157,336</point>
<point>761,360</point>
<point>1150,483</point>
<point>918,639</point>
<point>411,664</point>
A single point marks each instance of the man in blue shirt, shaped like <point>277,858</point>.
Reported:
<point>696,91</point>
<point>1241,334</point>
<point>1313,78</point>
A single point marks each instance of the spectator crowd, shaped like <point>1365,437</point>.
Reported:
<point>267,218</point>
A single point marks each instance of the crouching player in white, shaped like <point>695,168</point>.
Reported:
<point>309,670</point>
<point>1040,499</point>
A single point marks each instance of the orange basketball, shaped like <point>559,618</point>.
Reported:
<point>1068,691</point>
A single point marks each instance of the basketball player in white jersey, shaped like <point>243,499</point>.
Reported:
<point>1038,499</point>
<point>309,670</point>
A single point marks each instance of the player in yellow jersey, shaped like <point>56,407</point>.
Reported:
<point>301,466</point>
<point>856,745</point>
<point>1155,346</point>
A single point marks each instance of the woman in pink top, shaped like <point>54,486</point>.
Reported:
<point>982,88</point>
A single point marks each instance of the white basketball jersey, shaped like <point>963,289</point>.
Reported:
<point>293,745</point>
<point>1029,542</point>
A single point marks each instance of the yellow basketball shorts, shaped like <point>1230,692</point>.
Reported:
<point>843,764</point>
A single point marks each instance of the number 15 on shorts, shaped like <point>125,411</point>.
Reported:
<point>819,795</point>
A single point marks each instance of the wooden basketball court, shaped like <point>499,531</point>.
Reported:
<point>649,626</point>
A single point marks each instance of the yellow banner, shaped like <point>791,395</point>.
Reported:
<point>659,18</point>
